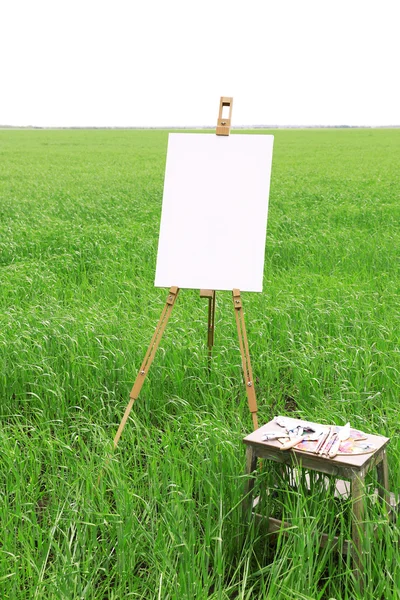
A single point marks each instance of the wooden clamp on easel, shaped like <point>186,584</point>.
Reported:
<point>223,129</point>
<point>224,123</point>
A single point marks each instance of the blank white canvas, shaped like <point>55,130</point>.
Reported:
<point>214,212</point>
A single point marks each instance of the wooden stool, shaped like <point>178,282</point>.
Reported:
<point>352,468</point>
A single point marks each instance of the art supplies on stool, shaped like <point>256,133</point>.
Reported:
<point>340,452</point>
<point>328,440</point>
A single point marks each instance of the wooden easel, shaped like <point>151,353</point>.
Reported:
<point>223,128</point>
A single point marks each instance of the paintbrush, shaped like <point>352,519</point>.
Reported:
<point>328,438</point>
<point>343,434</point>
<point>321,441</point>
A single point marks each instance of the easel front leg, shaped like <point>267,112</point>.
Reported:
<point>148,359</point>
<point>244,350</point>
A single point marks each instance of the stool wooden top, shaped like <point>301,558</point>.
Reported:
<point>349,462</point>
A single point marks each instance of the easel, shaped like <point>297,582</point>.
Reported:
<point>223,128</point>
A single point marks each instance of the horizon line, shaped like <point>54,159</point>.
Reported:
<point>163,127</point>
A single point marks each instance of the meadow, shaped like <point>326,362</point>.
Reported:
<point>79,221</point>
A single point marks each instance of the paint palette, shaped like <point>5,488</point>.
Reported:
<point>355,444</point>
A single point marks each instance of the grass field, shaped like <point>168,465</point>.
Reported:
<point>79,221</point>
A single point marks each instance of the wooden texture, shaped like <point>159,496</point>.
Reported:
<point>357,533</point>
<point>245,353</point>
<point>251,465</point>
<point>206,293</point>
<point>211,323</point>
<point>383,480</point>
<point>224,123</point>
<point>148,359</point>
<point>210,295</point>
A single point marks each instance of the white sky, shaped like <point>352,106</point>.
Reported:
<point>155,63</point>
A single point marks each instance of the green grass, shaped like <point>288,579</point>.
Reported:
<point>79,221</point>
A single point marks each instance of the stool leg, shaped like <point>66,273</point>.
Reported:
<point>383,480</point>
<point>251,465</point>
<point>358,499</point>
